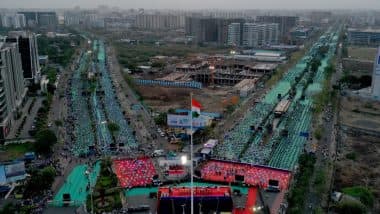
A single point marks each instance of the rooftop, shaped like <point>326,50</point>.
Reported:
<point>366,30</point>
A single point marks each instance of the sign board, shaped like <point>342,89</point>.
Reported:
<point>304,134</point>
<point>183,121</point>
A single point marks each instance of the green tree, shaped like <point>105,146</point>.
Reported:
<point>40,181</point>
<point>161,119</point>
<point>315,65</point>
<point>9,208</point>
<point>45,140</point>
<point>113,127</point>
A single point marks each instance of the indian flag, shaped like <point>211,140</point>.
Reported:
<point>195,108</point>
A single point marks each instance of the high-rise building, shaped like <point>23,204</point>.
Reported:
<point>84,18</point>
<point>376,76</point>
<point>27,44</point>
<point>41,19</point>
<point>285,23</point>
<point>12,86</point>
<point>234,34</point>
<point>13,20</point>
<point>159,21</point>
<point>255,35</point>
<point>209,30</point>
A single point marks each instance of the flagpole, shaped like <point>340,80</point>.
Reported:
<point>191,155</point>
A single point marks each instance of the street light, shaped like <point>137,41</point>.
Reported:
<point>183,159</point>
<point>254,209</point>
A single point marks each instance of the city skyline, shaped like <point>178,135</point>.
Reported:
<point>211,4</point>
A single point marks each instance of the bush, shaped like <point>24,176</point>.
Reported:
<point>351,156</point>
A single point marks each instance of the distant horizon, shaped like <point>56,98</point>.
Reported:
<point>196,4</point>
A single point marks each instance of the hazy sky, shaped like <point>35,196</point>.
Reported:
<point>196,4</point>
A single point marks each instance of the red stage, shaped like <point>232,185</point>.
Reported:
<point>254,175</point>
<point>134,172</point>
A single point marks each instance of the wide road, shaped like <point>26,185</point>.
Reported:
<point>142,120</point>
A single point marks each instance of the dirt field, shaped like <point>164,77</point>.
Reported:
<point>360,114</point>
<point>359,164</point>
<point>362,53</point>
<point>162,99</point>
<point>359,159</point>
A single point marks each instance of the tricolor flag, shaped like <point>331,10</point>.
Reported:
<point>195,108</point>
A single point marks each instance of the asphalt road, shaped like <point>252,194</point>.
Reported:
<point>141,119</point>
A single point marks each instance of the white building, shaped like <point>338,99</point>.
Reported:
<point>234,35</point>
<point>12,86</point>
<point>376,76</point>
<point>159,21</point>
<point>27,44</point>
<point>255,35</point>
<point>13,21</point>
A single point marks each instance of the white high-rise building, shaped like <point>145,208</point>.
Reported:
<point>13,21</point>
<point>12,86</point>
<point>376,76</point>
<point>234,34</point>
<point>27,44</point>
<point>255,35</point>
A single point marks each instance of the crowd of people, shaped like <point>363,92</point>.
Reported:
<point>134,172</point>
<point>112,105</point>
<point>78,123</point>
<point>253,175</point>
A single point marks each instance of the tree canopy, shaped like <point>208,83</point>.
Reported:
<point>45,139</point>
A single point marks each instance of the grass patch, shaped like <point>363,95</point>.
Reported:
<point>297,195</point>
<point>13,151</point>
<point>364,194</point>
<point>320,181</point>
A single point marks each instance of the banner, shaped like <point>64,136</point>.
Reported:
<point>183,121</point>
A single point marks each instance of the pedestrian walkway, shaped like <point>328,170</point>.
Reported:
<point>78,185</point>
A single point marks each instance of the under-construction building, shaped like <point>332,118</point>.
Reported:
<point>225,72</point>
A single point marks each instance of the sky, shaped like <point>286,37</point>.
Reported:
<point>197,4</point>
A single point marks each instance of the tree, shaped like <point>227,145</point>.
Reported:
<point>40,180</point>
<point>45,140</point>
<point>315,65</point>
<point>113,127</point>
<point>9,208</point>
<point>161,118</point>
